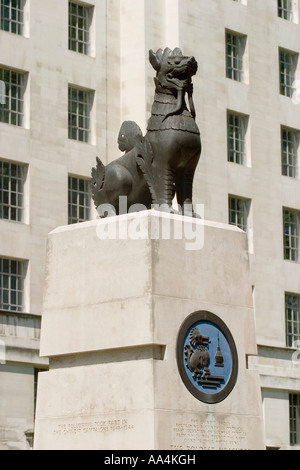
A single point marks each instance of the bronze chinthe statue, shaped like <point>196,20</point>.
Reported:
<point>162,163</point>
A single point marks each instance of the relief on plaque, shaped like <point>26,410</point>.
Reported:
<point>207,357</point>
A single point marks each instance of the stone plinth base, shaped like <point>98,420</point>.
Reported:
<point>119,293</point>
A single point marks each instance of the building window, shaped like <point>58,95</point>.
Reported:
<point>80,105</point>
<point>12,275</point>
<point>80,19</point>
<point>288,64</point>
<point>12,96</point>
<point>79,202</point>
<point>292,315</point>
<point>285,9</point>
<point>289,150</point>
<point>2,92</point>
<point>294,419</point>
<point>12,16</point>
<point>12,179</point>
<point>238,212</point>
<point>236,137</point>
<point>235,50</point>
<point>291,233</point>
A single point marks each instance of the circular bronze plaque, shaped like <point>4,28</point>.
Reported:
<point>207,357</point>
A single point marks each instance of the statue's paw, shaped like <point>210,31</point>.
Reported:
<point>188,211</point>
<point>106,210</point>
<point>165,208</point>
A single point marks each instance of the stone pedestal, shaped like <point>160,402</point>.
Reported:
<point>122,297</point>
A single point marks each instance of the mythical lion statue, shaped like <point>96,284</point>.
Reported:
<point>162,163</point>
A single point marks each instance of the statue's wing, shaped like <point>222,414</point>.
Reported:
<point>98,176</point>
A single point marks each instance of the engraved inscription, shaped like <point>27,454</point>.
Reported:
<point>101,426</point>
<point>206,435</point>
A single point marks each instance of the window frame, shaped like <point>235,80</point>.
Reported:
<point>291,234</point>
<point>12,284</point>
<point>288,63</point>
<point>14,22</point>
<point>235,56</point>
<point>12,191</point>
<point>290,145</point>
<point>292,319</point>
<point>285,9</point>
<point>79,199</point>
<point>241,215</point>
<point>13,84</point>
<point>80,34</point>
<point>237,145</point>
<point>294,412</point>
<point>80,105</point>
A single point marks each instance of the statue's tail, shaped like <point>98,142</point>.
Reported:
<point>98,177</point>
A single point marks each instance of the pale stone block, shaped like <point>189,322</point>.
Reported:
<point>113,309</point>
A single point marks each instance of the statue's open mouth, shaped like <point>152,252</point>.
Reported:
<point>181,80</point>
<point>182,73</point>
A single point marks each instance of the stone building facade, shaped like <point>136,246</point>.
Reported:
<point>70,73</point>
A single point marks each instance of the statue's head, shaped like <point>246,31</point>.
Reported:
<point>174,70</point>
<point>129,135</point>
